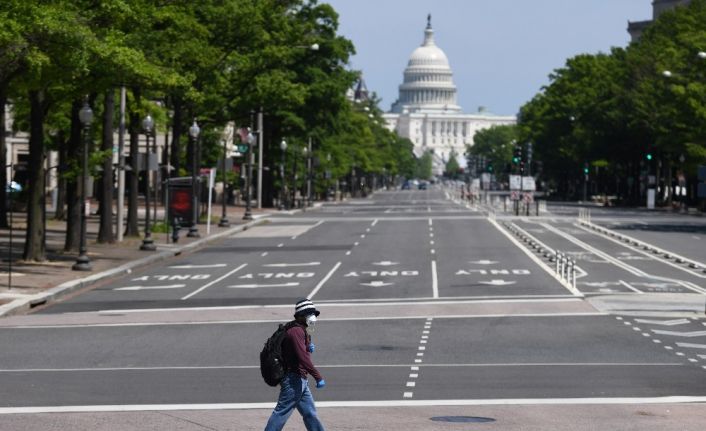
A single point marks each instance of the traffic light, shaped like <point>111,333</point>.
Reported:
<point>585,168</point>
<point>518,154</point>
<point>649,156</point>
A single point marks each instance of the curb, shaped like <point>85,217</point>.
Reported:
<point>20,305</point>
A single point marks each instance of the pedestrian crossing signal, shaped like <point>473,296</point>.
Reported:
<point>649,156</point>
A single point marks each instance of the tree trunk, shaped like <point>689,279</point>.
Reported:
<point>132,228</point>
<point>176,136</point>
<point>105,230</point>
<point>60,213</point>
<point>3,163</point>
<point>34,248</point>
<point>73,199</point>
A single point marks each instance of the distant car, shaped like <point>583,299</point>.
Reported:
<point>422,185</point>
<point>406,185</point>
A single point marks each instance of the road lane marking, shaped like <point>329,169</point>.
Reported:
<point>434,280</point>
<point>324,280</point>
<point>536,260</point>
<point>207,285</point>
<point>351,404</point>
<point>285,265</point>
<point>374,222</point>
<point>255,286</point>
<point>656,258</point>
<point>692,346</point>
<point>629,286</point>
<point>441,301</point>
<point>674,322</point>
<point>215,265</point>
<point>618,262</point>
<point>168,286</point>
<point>264,254</point>
<point>430,223</point>
<point>680,334</point>
<point>415,368</point>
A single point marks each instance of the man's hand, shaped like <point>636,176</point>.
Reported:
<point>311,348</point>
<point>320,384</point>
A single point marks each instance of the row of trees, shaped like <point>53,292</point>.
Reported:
<point>216,61</point>
<point>622,116</point>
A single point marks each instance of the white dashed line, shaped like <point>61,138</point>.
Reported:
<point>280,245</point>
<point>264,254</point>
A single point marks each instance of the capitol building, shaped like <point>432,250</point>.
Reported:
<point>427,110</point>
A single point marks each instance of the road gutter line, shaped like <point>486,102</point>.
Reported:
<point>205,286</point>
<point>324,280</point>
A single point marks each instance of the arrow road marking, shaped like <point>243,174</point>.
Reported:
<point>215,265</point>
<point>680,334</point>
<point>484,262</point>
<point>284,265</point>
<point>377,283</point>
<point>170,286</point>
<point>497,282</point>
<point>385,263</point>
<point>663,322</point>
<point>254,286</point>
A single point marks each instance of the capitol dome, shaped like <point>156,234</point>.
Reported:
<point>428,80</point>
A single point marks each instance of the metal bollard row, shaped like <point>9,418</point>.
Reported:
<point>565,267</point>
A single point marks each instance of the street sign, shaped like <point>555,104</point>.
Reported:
<point>515,182</point>
<point>528,184</point>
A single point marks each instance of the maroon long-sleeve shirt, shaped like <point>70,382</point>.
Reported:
<point>296,354</point>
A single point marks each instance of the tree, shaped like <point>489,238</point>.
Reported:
<point>424,166</point>
<point>495,145</point>
<point>452,169</point>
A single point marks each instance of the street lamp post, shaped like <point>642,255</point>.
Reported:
<point>283,147</point>
<point>309,174</point>
<point>83,263</point>
<point>147,242</point>
<point>248,185</point>
<point>194,132</point>
<point>305,185</point>
<point>224,217</point>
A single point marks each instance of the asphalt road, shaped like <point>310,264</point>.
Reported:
<point>423,300</point>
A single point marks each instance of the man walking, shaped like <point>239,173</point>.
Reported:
<point>294,388</point>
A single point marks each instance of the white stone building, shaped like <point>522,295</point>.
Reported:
<point>636,28</point>
<point>427,111</point>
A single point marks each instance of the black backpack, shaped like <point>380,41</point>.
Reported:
<point>272,365</point>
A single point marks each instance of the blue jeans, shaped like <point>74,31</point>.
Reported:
<point>294,392</point>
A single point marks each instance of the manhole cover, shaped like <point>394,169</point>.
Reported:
<point>462,419</point>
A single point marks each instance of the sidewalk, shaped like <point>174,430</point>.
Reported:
<point>35,283</point>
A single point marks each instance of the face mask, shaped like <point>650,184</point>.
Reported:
<point>310,322</point>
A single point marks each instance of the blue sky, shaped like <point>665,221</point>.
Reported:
<point>501,51</point>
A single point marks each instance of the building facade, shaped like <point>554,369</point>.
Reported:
<point>636,28</point>
<point>427,110</point>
